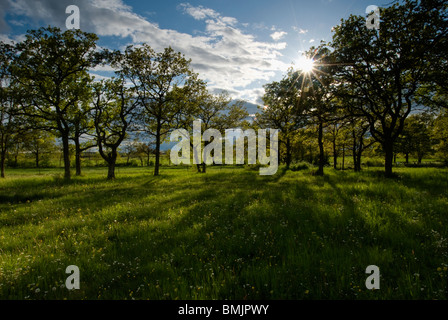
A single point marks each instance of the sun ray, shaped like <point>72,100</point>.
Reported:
<point>305,64</point>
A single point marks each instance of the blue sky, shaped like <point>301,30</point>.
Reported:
<point>235,46</point>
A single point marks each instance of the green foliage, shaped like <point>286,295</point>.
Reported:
<point>284,110</point>
<point>215,111</point>
<point>156,78</point>
<point>416,136</point>
<point>374,163</point>
<point>10,123</point>
<point>301,165</point>
<point>113,114</point>
<point>231,234</point>
<point>381,74</point>
<point>52,69</point>
<point>440,134</point>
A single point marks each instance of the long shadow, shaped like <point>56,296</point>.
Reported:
<point>279,174</point>
<point>348,201</point>
<point>191,228</point>
<point>210,202</point>
<point>398,222</point>
<point>20,198</point>
<point>200,205</point>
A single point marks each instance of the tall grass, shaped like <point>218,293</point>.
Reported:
<point>226,234</point>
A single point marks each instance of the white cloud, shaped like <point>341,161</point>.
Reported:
<point>259,26</point>
<point>199,13</point>
<point>253,95</point>
<point>311,41</point>
<point>15,39</point>
<point>103,68</point>
<point>229,20</point>
<point>98,77</point>
<point>277,35</point>
<point>299,30</point>
<point>223,54</point>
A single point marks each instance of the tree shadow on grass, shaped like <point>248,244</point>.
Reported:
<point>198,232</point>
<point>183,220</point>
<point>20,198</point>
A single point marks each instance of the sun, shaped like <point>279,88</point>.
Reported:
<point>305,64</point>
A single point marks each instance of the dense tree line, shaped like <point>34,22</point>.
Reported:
<point>384,89</point>
<point>46,89</point>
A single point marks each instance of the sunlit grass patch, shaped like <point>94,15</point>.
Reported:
<point>226,234</point>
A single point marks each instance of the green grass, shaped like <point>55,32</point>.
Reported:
<point>226,234</point>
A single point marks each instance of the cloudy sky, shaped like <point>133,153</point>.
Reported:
<point>234,45</point>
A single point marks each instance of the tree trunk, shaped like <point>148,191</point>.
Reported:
<point>358,159</point>
<point>2,163</point>
<point>66,155</point>
<point>288,153</point>
<point>111,170</point>
<point>389,157</point>
<point>203,164</point>
<point>77,156</point>
<point>358,147</point>
<point>335,155</point>
<point>354,148</point>
<point>320,170</point>
<point>37,158</point>
<point>407,157</point>
<point>111,161</point>
<point>343,158</point>
<point>355,161</point>
<point>3,148</point>
<point>157,162</point>
<point>354,151</point>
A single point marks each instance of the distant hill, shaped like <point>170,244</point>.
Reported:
<point>250,107</point>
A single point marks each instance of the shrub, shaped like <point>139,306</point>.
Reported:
<point>374,163</point>
<point>252,166</point>
<point>302,165</point>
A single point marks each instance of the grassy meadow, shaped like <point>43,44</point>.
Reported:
<point>226,234</point>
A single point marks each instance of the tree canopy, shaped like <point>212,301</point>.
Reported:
<point>367,89</point>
